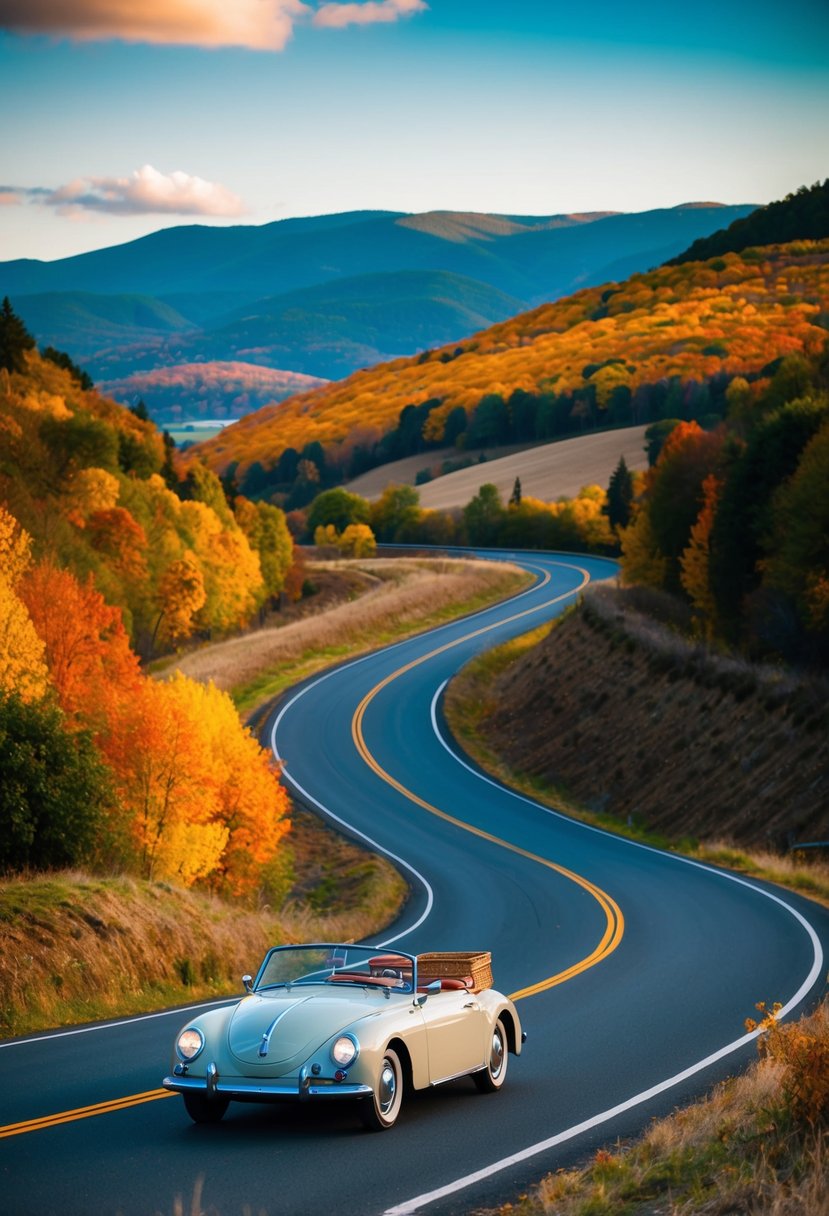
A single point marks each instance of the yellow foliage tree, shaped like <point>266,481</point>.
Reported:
<point>694,575</point>
<point>357,541</point>
<point>180,596</point>
<point>326,534</point>
<point>206,802</point>
<point>91,490</point>
<point>23,667</point>
<point>641,560</point>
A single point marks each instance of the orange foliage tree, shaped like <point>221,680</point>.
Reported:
<point>87,648</point>
<point>208,804</point>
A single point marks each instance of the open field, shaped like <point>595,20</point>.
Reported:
<point>547,471</point>
<point>554,470</point>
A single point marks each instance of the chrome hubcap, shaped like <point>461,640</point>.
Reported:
<point>496,1055</point>
<point>388,1087</point>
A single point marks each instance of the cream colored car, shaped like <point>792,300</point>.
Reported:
<point>324,1022</point>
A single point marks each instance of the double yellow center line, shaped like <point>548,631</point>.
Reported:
<point>82,1112</point>
<point>614,920</point>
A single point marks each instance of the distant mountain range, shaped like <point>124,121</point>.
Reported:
<point>326,295</point>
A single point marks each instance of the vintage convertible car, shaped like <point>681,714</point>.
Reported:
<point>339,1021</point>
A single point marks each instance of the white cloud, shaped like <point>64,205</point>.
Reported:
<point>144,192</point>
<point>261,25</point>
<point>335,15</point>
<point>258,25</point>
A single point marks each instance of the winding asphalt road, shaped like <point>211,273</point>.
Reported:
<point>633,970</point>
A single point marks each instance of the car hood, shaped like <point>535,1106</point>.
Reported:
<point>289,1026</point>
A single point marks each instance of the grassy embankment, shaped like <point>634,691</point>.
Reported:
<point>757,1146</point>
<point>758,1143</point>
<point>665,685</point>
<point>76,947</point>
<point>406,596</point>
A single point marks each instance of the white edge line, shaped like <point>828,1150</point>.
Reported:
<point>421,1201</point>
<point>141,1017</point>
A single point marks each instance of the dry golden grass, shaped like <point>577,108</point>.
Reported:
<point>409,594</point>
<point>76,948</point>
<point>752,1148</point>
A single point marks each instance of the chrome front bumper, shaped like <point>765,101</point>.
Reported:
<point>244,1088</point>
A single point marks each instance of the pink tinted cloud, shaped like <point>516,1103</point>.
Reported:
<point>335,15</point>
<point>261,25</point>
<point>144,192</point>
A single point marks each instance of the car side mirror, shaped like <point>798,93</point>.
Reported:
<point>422,997</point>
<point>248,983</point>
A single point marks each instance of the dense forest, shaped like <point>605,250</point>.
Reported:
<point>666,344</point>
<point>803,215</point>
<point>106,554</point>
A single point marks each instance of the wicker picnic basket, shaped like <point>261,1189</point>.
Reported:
<point>457,964</point>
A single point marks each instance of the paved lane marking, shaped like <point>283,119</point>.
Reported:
<point>82,1112</point>
<point>614,920</point>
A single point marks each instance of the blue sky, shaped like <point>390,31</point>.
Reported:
<point>116,126</point>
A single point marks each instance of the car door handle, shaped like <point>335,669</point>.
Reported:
<point>472,1005</point>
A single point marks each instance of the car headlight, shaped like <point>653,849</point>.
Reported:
<point>189,1043</point>
<point>345,1050</point>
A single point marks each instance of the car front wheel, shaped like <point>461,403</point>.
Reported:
<point>381,1110</point>
<point>490,1078</point>
<point>204,1110</point>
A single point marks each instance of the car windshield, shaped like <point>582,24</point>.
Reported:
<point>369,966</point>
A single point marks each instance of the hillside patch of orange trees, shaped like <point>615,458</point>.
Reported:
<point>662,344</point>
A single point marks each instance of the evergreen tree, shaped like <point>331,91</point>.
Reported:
<point>15,339</point>
<point>619,496</point>
<point>61,359</point>
<point>515,496</point>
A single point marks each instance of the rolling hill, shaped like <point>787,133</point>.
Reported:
<point>622,353</point>
<point>329,294</point>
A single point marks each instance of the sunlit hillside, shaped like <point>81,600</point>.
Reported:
<point>731,315</point>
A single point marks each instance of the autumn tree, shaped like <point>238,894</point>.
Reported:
<point>87,648</point>
<point>674,496</point>
<point>267,532</point>
<point>207,803</point>
<point>357,540</point>
<point>482,515</point>
<point>694,563</point>
<point>23,669</point>
<point>181,595</point>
